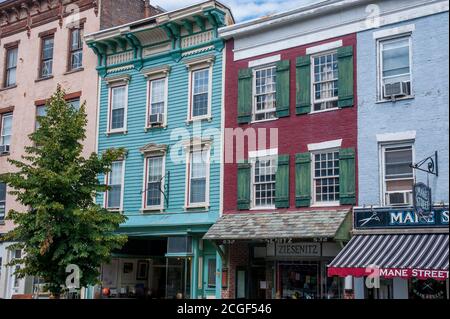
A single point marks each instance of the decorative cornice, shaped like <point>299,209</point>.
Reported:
<point>117,79</point>
<point>151,73</point>
<point>153,148</point>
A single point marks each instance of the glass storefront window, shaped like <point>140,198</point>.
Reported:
<point>299,280</point>
<point>427,289</point>
<point>178,278</point>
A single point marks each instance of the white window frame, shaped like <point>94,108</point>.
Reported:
<point>314,202</point>
<point>192,70</point>
<point>122,189</point>
<point>380,79</point>
<point>109,120</point>
<point>144,188</point>
<point>381,154</point>
<point>8,69</point>
<point>313,95</point>
<point>149,104</point>
<point>2,124</point>
<point>253,157</point>
<point>189,151</point>
<point>254,112</point>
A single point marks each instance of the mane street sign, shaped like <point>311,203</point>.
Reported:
<point>395,218</point>
<point>422,198</point>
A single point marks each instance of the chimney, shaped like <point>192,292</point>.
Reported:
<point>147,8</point>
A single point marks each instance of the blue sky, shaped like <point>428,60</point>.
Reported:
<point>242,9</point>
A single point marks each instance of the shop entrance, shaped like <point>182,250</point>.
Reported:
<point>178,280</point>
<point>299,280</point>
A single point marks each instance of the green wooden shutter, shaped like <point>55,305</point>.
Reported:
<point>282,182</point>
<point>347,177</point>
<point>283,88</point>
<point>303,84</point>
<point>345,66</point>
<point>245,95</point>
<point>243,187</point>
<point>303,180</point>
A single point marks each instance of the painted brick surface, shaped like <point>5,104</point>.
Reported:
<point>427,113</point>
<point>294,132</point>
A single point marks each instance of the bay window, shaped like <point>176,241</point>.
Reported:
<point>326,172</point>
<point>325,81</point>
<point>397,174</point>
<point>114,181</point>
<point>264,93</point>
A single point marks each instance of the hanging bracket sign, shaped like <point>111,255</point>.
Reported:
<point>422,198</point>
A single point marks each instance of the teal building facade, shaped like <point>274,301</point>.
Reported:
<point>161,99</point>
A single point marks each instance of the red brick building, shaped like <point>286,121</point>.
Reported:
<point>290,159</point>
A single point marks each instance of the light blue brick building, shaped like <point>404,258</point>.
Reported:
<point>161,100</point>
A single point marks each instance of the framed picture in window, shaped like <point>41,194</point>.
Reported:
<point>142,270</point>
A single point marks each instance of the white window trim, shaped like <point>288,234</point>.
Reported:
<point>206,63</point>
<point>323,146</point>
<point>394,31</point>
<point>314,203</point>
<point>122,190</point>
<point>148,104</point>
<point>380,98</point>
<point>253,120</point>
<point>324,47</point>
<point>114,83</point>
<point>197,147</point>
<point>264,61</point>
<point>160,207</point>
<point>396,137</point>
<point>253,156</point>
<point>313,99</point>
<point>381,152</point>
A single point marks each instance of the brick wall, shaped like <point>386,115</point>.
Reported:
<point>238,256</point>
<point>118,12</point>
<point>294,132</point>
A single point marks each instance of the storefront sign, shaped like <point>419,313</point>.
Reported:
<point>298,250</point>
<point>378,218</point>
<point>422,198</point>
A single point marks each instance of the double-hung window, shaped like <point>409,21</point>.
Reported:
<point>75,103</point>
<point>326,177</point>
<point>153,195</point>
<point>5,131</point>
<point>264,181</point>
<point>41,111</point>
<point>398,175</point>
<point>264,93</point>
<point>325,81</point>
<point>11,66</point>
<point>118,105</point>
<point>201,93</point>
<point>46,66</point>
<point>114,183</point>
<point>198,194</point>
<point>76,49</point>
<point>2,202</point>
<point>395,67</point>
<point>157,102</point>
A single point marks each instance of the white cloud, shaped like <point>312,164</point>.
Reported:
<point>242,9</point>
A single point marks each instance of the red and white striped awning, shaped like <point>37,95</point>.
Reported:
<point>421,256</point>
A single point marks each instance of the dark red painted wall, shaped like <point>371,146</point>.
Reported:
<point>294,132</point>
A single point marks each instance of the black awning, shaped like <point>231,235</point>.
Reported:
<point>421,256</point>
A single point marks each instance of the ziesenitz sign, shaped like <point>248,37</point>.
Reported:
<point>378,218</point>
<point>297,250</point>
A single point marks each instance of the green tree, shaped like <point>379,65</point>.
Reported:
<point>62,225</point>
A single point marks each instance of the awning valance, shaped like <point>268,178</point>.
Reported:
<point>421,256</point>
<point>275,225</point>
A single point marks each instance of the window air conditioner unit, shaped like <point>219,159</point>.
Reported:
<point>399,198</point>
<point>156,119</point>
<point>4,149</point>
<point>397,89</point>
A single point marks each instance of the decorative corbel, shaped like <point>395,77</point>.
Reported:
<point>95,3</point>
<point>61,13</point>
<point>112,45</point>
<point>36,4</point>
<point>26,8</point>
<point>5,16</point>
<point>187,24</point>
<point>200,21</point>
<point>15,12</point>
<point>122,43</point>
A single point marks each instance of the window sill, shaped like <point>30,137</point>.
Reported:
<point>324,111</point>
<point>8,88</point>
<point>406,98</point>
<point>124,132</point>
<point>196,119</point>
<point>114,210</point>
<point>264,121</point>
<point>151,128</point>
<point>197,206</point>
<point>329,204</point>
<point>43,79</point>
<point>152,210</point>
<point>74,71</point>
<point>5,154</point>
<point>263,208</point>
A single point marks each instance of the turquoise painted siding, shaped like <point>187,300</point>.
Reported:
<point>136,138</point>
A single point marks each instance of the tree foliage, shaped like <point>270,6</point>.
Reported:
<point>62,225</point>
